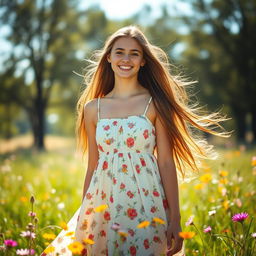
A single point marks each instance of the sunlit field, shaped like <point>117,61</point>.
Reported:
<point>209,204</point>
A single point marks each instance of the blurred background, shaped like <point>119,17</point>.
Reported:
<point>44,45</point>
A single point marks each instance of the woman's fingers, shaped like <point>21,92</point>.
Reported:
<point>178,241</point>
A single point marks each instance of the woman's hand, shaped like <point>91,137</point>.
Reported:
<point>174,241</point>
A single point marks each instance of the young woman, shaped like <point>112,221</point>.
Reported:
<point>135,124</point>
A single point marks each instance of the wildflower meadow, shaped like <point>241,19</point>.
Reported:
<point>41,191</point>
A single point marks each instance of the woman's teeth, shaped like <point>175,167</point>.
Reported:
<point>125,67</point>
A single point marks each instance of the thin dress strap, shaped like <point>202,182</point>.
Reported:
<point>147,106</point>
<point>98,109</point>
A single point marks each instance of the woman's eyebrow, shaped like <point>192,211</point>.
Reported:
<point>132,50</point>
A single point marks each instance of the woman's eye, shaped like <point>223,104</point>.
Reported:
<point>118,52</point>
<point>135,54</point>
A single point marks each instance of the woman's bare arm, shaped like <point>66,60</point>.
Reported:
<point>90,113</point>
<point>167,170</point>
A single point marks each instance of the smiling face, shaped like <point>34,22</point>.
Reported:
<point>126,58</point>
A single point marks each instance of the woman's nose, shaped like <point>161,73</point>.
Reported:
<point>126,57</point>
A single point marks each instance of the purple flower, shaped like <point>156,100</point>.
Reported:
<point>208,229</point>
<point>10,243</point>
<point>240,217</point>
<point>190,221</point>
<point>25,252</point>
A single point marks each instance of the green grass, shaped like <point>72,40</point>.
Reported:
<point>56,181</point>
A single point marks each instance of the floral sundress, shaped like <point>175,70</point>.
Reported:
<point>125,210</point>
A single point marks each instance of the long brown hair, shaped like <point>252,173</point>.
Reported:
<point>168,94</point>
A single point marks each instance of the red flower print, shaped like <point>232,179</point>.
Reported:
<point>133,250</point>
<point>115,150</point>
<point>91,236</point>
<point>137,167</point>
<point>103,194</point>
<point>131,213</point>
<point>165,203</point>
<point>89,211</point>
<point>153,132</point>
<point>122,186</point>
<point>105,165</point>
<point>116,244</point>
<point>123,238</point>
<point>114,123</point>
<point>131,232</point>
<point>111,199</point>
<point>84,252</point>
<point>114,180</point>
<point>102,233</point>
<point>143,163</point>
<point>88,196</point>
<point>156,193</point>
<point>100,148</point>
<point>137,151</point>
<point>153,209</point>
<point>97,191</point>
<point>120,154</point>
<point>130,142</point>
<point>107,215</point>
<point>106,127</point>
<point>130,125</point>
<point>138,191</point>
<point>146,243</point>
<point>146,192</point>
<point>145,134</point>
<point>157,239</point>
<point>130,194</point>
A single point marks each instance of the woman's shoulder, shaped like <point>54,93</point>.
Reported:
<point>91,108</point>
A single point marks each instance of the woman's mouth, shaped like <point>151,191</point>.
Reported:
<point>125,68</point>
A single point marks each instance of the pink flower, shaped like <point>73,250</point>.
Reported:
<point>25,252</point>
<point>240,217</point>
<point>190,221</point>
<point>208,229</point>
<point>32,214</point>
<point>10,243</point>
<point>254,235</point>
<point>28,234</point>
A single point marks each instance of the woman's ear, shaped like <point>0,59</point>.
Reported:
<point>108,58</point>
<point>143,62</point>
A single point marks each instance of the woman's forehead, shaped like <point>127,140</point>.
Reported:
<point>127,43</point>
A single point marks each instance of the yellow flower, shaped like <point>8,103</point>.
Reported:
<point>158,220</point>
<point>225,204</point>
<point>88,241</point>
<point>223,181</point>
<point>64,225</point>
<point>101,208</point>
<point>187,234</point>
<point>206,178</point>
<point>223,173</point>
<point>122,233</point>
<point>49,236</point>
<point>70,233</point>
<point>199,186</point>
<point>143,224</point>
<point>49,249</point>
<point>76,247</point>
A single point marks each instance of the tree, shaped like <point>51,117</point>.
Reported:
<point>229,26</point>
<point>44,36</point>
